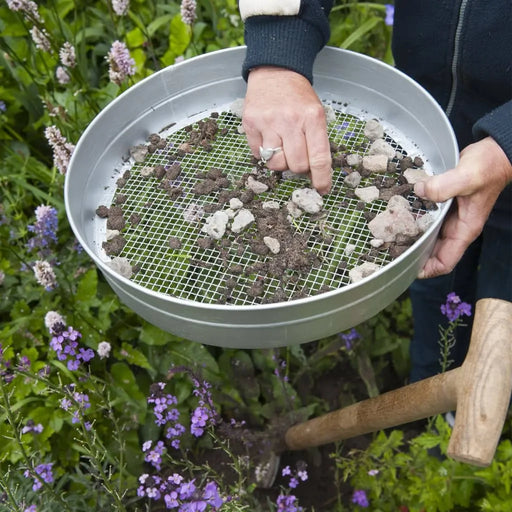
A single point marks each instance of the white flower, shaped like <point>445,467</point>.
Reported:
<point>67,55</point>
<point>45,275</point>
<point>120,6</point>
<point>51,318</point>
<point>40,38</point>
<point>104,349</point>
<point>62,75</point>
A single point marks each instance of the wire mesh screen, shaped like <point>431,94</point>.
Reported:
<point>164,208</point>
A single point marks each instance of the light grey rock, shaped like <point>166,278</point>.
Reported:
<point>361,271</point>
<point>270,205</point>
<point>353,159</point>
<point>256,186</point>
<point>139,153</point>
<point>242,219</point>
<point>381,147</point>
<point>376,163</point>
<point>390,223</point>
<point>111,233</point>
<point>272,243</point>
<point>367,194</point>
<point>237,107</point>
<point>424,222</point>
<point>376,242</point>
<point>235,203</point>
<point>330,115</point>
<point>373,129</point>
<point>216,224</point>
<point>308,199</point>
<point>121,266</point>
<point>294,211</point>
<point>398,202</point>
<point>146,171</point>
<point>415,175</point>
<point>353,179</point>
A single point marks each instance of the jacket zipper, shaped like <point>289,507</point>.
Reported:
<point>455,57</point>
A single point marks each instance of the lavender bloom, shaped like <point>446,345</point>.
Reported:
<point>62,75</point>
<point>455,308</point>
<point>3,106</point>
<point>359,498</point>
<point>390,15</point>
<point>45,275</point>
<point>41,39</point>
<point>120,6</point>
<point>154,456</point>
<point>51,319</point>
<point>104,349</point>
<point>32,427</point>
<point>67,55</point>
<point>44,229</point>
<point>188,11</point>
<point>32,508</point>
<point>120,62</point>
<point>27,7</point>
<point>62,149</point>
<point>44,471</point>
<point>350,338</point>
<point>287,503</point>
<point>64,343</point>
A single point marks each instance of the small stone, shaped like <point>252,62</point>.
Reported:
<point>147,171</point>
<point>270,205</point>
<point>111,233</point>
<point>361,271</point>
<point>424,222</point>
<point>237,107</point>
<point>293,210</point>
<point>308,199</point>
<point>375,163</point>
<point>373,129</point>
<point>256,186</point>
<point>235,203</point>
<point>398,202</point>
<point>216,224</point>
<point>349,249</point>
<point>353,160</point>
<point>121,265</point>
<point>242,219</point>
<point>367,194</point>
<point>139,153</point>
<point>330,115</point>
<point>174,243</point>
<point>272,243</point>
<point>353,179</point>
<point>388,224</point>
<point>414,175</point>
<point>376,242</point>
<point>381,147</point>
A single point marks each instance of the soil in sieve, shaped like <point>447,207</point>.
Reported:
<point>172,186</point>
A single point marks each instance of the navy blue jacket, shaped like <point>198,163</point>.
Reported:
<point>459,50</point>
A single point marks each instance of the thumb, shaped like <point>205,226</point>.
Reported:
<point>442,187</point>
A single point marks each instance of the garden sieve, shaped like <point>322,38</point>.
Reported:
<point>184,289</point>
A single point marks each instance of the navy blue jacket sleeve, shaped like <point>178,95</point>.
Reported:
<point>290,41</point>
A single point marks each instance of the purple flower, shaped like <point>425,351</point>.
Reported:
<point>44,229</point>
<point>32,508</point>
<point>44,472</point>
<point>359,498</point>
<point>32,427</point>
<point>120,62</point>
<point>154,456</point>
<point>198,421</point>
<point>65,345</point>
<point>3,106</point>
<point>454,308</point>
<point>287,503</point>
<point>350,338</point>
<point>390,15</point>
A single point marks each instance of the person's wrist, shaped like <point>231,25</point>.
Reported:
<point>500,162</point>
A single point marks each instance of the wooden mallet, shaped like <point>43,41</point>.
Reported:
<point>479,391</point>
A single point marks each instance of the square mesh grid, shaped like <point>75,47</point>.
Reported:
<point>339,236</point>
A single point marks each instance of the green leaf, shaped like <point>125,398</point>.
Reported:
<point>154,336</point>
<point>360,31</point>
<point>135,38</point>
<point>87,287</point>
<point>158,23</point>
<point>180,35</point>
<point>133,356</point>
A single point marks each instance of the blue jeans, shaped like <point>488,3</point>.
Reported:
<point>485,271</point>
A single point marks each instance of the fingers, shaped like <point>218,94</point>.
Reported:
<point>282,110</point>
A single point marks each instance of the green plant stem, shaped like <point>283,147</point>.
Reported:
<point>26,458</point>
<point>6,489</point>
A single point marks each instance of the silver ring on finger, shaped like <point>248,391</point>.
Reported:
<point>267,153</point>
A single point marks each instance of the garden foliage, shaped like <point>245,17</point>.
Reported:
<point>103,411</point>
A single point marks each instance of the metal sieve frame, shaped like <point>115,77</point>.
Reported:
<point>182,92</point>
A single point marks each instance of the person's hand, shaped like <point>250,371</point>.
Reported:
<point>282,110</point>
<point>482,173</point>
